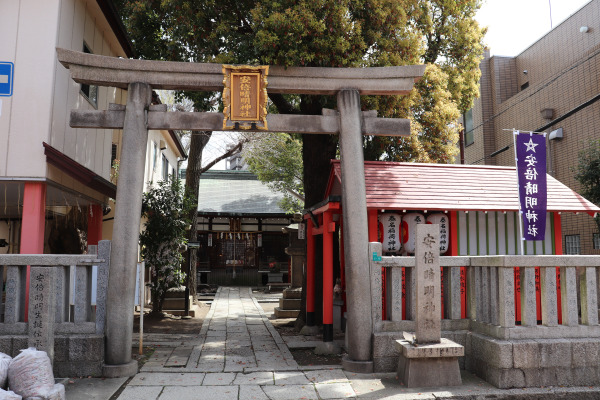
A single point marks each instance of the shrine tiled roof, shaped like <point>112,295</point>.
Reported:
<point>445,187</point>
<point>236,192</point>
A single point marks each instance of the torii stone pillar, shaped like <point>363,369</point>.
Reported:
<point>356,241</point>
<point>124,253</point>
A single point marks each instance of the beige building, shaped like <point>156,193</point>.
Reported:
<point>56,182</point>
<point>551,86</point>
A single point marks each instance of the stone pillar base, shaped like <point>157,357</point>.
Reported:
<point>360,367</point>
<point>309,330</point>
<point>328,348</point>
<point>120,370</point>
<point>430,365</point>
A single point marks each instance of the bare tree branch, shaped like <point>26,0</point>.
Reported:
<point>234,150</point>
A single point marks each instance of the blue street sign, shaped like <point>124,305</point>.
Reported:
<point>7,72</point>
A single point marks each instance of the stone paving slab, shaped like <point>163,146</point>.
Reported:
<point>141,392</point>
<point>179,358</point>
<point>92,388</point>
<point>255,378</point>
<point>291,378</point>
<point>251,392</point>
<point>327,376</point>
<point>291,392</point>
<point>335,390</point>
<point>167,379</point>
<point>199,392</point>
<point>219,379</point>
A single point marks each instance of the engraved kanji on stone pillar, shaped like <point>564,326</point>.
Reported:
<point>428,285</point>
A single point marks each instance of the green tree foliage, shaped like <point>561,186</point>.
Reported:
<point>587,173</point>
<point>323,33</point>
<point>165,209</point>
<point>276,159</point>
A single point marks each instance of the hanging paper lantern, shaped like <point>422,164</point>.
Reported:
<point>390,230</point>
<point>442,221</point>
<point>409,223</point>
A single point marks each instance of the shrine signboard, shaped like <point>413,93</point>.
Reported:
<point>245,97</point>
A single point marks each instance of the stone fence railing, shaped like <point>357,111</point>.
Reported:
<point>51,306</point>
<point>568,307</point>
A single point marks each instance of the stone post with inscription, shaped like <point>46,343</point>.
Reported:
<point>41,310</point>
<point>428,359</point>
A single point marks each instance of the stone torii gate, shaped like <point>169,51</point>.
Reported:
<point>139,77</point>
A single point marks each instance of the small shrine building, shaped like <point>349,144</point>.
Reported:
<point>477,208</point>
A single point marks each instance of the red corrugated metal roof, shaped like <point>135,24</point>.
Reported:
<point>414,186</point>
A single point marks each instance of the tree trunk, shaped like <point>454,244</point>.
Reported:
<point>198,141</point>
<point>317,153</point>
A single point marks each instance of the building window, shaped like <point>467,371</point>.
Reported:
<point>165,168</point>
<point>572,244</point>
<point>525,86</point>
<point>113,154</point>
<point>90,92</point>
<point>469,135</point>
<point>596,240</point>
<point>154,155</point>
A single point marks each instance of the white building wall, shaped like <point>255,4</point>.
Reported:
<point>154,169</point>
<point>31,40</point>
<point>43,92</point>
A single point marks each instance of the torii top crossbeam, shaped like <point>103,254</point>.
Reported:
<point>100,70</point>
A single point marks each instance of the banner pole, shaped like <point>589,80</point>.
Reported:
<point>515,133</point>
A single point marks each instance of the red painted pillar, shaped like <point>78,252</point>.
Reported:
<point>372,216</point>
<point>328,229</point>
<point>463,270</point>
<point>310,274</point>
<point>32,226</point>
<point>342,266</point>
<point>94,233</point>
<point>373,237</point>
<point>558,250</point>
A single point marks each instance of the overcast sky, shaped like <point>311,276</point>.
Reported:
<point>514,25</point>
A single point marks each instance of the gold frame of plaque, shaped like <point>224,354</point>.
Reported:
<point>245,97</point>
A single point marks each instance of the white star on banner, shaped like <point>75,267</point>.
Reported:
<point>530,145</point>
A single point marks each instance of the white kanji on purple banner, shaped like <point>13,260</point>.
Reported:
<point>531,170</point>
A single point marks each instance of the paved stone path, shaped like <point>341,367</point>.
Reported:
<point>238,355</point>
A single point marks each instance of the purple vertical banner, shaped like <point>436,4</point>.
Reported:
<point>531,170</point>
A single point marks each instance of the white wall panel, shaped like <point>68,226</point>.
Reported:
<point>9,21</point>
<point>33,87</point>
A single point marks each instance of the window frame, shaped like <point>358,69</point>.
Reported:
<point>573,244</point>
<point>469,134</point>
<point>89,92</point>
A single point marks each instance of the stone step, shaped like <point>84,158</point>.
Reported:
<point>290,304</point>
<point>295,293</point>
<point>176,303</point>
<point>279,313</point>
<point>180,312</point>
